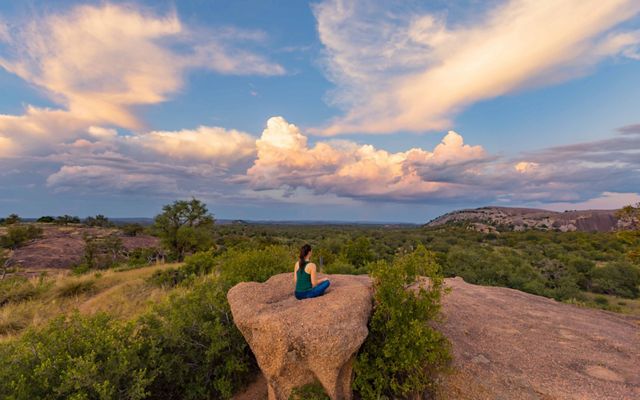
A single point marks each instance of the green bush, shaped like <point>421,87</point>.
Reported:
<point>358,252</point>
<point>77,358</point>
<point>133,229</point>
<point>195,265</point>
<point>621,279</point>
<point>403,352</point>
<point>17,288</point>
<point>143,256</point>
<point>342,266</point>
<point>257,265</point>
<point>201,354</point>
<point>313,391</point>
<point>168,278</point>
<point>18,235</point>
<point>600,300</point>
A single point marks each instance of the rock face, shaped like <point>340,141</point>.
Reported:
<point>62,247</point>
<point>512,345</point>
<point>298,341</point>
<point>521,219</point>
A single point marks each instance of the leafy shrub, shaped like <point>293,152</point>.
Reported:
<point>358,252</point>
<point>12,219</point>
<point>201,354</point>
<point>77,358</point>
<point>619,279</point>
<point>142,256</point>
<point>17,235</point>
<point>198,264</point>
<point>67,219</point>
<point>312,391</point>
<point>601,300</point>
<point>403,352</point>
<point>132,229</point>
<point>169,277</point>
<point>18,288</point>
<point>102,252</point>
<point>80,269</point>
<point>256,265</point>
<point>99,220</point>
<point>341,266</point>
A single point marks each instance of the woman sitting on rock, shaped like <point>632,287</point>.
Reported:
<point>306,278</point>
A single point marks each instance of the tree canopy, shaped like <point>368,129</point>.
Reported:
<point>184,227</point>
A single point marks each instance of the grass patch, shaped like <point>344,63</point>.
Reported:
<point>17,288</point>
<point>76,288</point>
<point>33,302</point>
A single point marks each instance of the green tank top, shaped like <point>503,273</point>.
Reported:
<point>303,279</point>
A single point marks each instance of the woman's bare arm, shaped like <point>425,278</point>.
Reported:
<point>314,275</point>
<point>295,276</point>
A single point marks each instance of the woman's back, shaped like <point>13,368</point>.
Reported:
<point>303,281</point>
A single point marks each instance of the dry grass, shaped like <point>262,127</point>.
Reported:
<point>607,302</point>
<point>122,294</point>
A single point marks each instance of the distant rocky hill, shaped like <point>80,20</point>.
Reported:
<point>62,247</point>
<point>489,219</point>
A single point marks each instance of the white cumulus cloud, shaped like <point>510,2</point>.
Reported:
<point>348,169</point>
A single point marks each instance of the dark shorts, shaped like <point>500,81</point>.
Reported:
<point>313,292</point>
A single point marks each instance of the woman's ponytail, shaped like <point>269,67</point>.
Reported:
<point>304,251</point>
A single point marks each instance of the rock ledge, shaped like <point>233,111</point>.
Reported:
<point>298,341</point>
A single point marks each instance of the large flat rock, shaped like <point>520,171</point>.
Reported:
<point>512,345</point>
<point>298,341</point>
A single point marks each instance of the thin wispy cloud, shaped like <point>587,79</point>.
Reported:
<point>413,71</point>
<point>630,129</point>
<point>100,62</point>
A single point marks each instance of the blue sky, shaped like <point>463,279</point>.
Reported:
<point>340,110</point>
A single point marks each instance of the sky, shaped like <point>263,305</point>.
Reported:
<point>335,110</point>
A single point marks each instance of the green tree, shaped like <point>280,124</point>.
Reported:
<point>67,219</point>
<point>132,229</point>
<point>185,227</point>
<point>99,220</point>
<point>102,252</point>
<point>12,219</point>
<point>620,279</point>
<point>46,219</point>
<point>358,252</point>
<point>18,235</point>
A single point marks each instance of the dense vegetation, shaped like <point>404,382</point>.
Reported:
<point>403,352</point>
<point>560,265</point>
<point>179,340</point>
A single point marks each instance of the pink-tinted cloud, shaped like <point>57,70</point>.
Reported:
<point>284,159</point>
<point>212,144</point>
<point>100,61</point>
<point>399,71</point>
